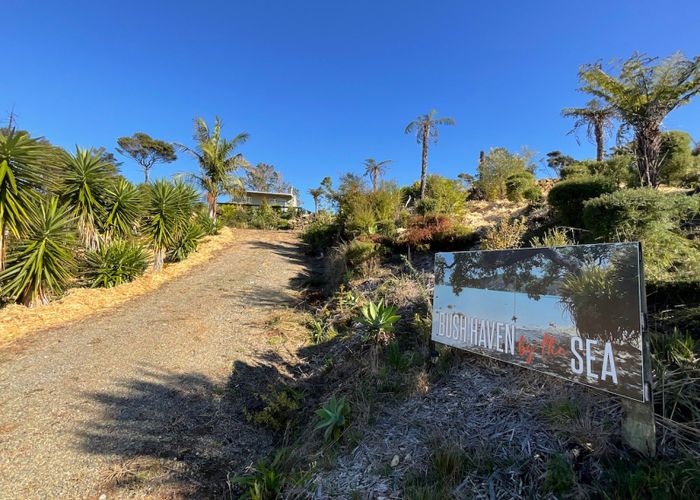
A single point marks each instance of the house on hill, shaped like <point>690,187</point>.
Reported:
<point>280,201</point>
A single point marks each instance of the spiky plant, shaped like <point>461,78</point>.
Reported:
<point>84,188</point>
<point>41,262</point>
<point>169,208</point>
<point>124,205</point>
<point>162,219</point>
<point>333,418</point>
<point>20,174</point>
<point>116,263</point>
<point>187,241</point>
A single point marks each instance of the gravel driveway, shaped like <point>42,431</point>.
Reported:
<point>133,402</point>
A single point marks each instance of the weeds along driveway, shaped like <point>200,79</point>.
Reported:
<point>131,402</point>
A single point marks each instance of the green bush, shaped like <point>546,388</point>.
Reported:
<point>321,234</point>
<point>575,170</point>
<point>116,263</point>
<point>363,256</point>
<point>659,220</point>
<point>521,185</point>
<point>567,197</point>
<point>233,216</point>
<point>334,416</point>
<point>635,211</point>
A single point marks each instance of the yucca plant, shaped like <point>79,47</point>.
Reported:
<point>186,242</point>
<point>124,205</point>
<point>115,263</point>
<point>83,188</point>
<point>20,175</point>
<point>168,209</point>
<point>209,226</point>
<point>41,262</point>
<point>334,417</point>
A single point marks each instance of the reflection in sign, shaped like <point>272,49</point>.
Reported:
<point>573,312</point>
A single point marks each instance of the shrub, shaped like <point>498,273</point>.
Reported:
<point>556,237</point>
<point>636,211</point>
<point>266,482</point>
<point>435,232</point>
<point>575,170</point>
<point>233,216</point>
<point>264,217</point>
<point>495,170</point>
<point>334,417</point>
<point>521,185</point>
<point>320,234</point>
<point>362,256</point>
<point>116,263</point>
<point>507,234</point>
<point>657,219</point>
<point>279,406</point>
<point>567,197</point>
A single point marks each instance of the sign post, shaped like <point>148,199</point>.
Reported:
<point>573,312</point>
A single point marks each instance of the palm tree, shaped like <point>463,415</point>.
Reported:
<point>316,195</point>
<point>375,169</point>
<point>84,189</point>
<point>42,261</point>
<point>425,128</point>
<point>598,122</point>
<point>217,162</point>
<point>21,161</point>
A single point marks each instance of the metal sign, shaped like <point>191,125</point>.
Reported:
<point>574,312</point>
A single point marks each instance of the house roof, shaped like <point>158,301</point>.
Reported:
<point>287,195</point>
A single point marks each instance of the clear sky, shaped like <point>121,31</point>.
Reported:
<point>322,85</point>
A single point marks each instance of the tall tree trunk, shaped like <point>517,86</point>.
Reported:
<point>211,200</point>
<point>424,162</point>
<point>648,149</point>
<point>374,182</point>
<point>146,175</point>
<point>599,142</point>
<point>315,205</point>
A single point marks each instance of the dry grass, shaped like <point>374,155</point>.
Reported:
<point>483,214</point>
<point>17,321</point>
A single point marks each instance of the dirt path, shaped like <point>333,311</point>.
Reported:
<point>130,402</point>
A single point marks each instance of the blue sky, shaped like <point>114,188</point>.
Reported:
<point>320,86</point>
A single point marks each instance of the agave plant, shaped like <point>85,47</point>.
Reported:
<point>84,188</point>
<point>42,261</point>
<point>124,203</point>
<point>116,263</point>
<point>334,416</point>
<point>379,320</point>
<point>20,175</point>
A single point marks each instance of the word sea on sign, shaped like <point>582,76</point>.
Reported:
<point>573,312</point>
